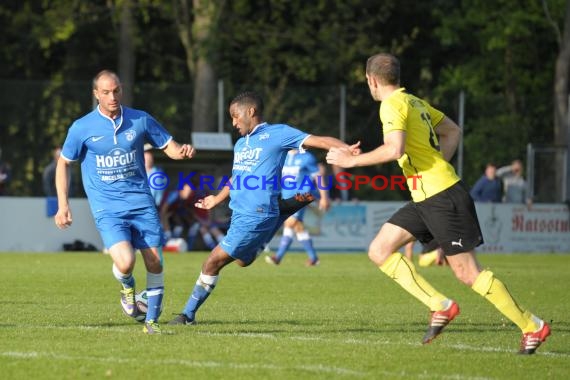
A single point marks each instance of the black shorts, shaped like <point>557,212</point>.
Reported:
<point>448,217</point>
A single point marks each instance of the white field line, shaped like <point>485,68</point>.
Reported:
<point>463,347</point>
<point>182,362</point>
<point>213,364</point>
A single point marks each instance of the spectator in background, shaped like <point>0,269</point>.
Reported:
<point>48,176</point>
<point>179,215</point>
<point>514,185</point>
<point>4,175</point>
<point>174,211</point>
<point>150,168</point>
<point>488,187</point>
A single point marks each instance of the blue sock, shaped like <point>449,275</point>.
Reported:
<point>204,286</point>
<point>308,246</point>
<point>127,280</point>
<point>154,303</point>
<point>283,246</point>
<point>192,233</point>
<point>154,293</point>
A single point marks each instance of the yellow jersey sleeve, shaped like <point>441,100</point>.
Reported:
<point>423,164</point>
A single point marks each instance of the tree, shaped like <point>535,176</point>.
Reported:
<point>501,55</point>
<point>196,26</point>
<point>561,91</point>
<point>126,49</point>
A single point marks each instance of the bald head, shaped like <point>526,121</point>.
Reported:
<point>105,74</point>
<point>108,92</point>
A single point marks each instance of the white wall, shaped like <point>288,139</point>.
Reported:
<point>506,227</point>
<point>25,227</point>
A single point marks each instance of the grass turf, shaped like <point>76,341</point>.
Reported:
<point>343,319</point>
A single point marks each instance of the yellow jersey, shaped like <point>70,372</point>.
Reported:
<point>427,172</point>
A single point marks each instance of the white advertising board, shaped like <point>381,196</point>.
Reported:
<point>506,227</point>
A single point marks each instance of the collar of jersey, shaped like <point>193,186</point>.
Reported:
<point>115,127</point>
<point>255,128</point>
<point>253,131</point>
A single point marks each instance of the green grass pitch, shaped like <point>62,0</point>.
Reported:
<point>61,319</point>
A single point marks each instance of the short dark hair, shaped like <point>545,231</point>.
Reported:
<point>384,67</point>
<point>103,73</point>
<point>249,98</point>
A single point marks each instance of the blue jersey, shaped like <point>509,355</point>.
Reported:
<point>256,172</point>
<point>112,158</point>
<point>299,174</point>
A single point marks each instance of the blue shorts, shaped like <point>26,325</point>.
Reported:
<point>140,227</point>
<point>248,235</point>
<point>299,215</point>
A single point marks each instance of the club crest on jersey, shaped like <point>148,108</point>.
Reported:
<point>263,136</point>
<point>130,134</point>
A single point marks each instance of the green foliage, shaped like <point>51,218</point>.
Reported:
<point>342,320</point>
<point>502,55</point>
<point>296,53</point>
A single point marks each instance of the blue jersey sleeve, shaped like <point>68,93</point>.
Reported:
<point>156,134</point>
<point>292,138</point>
<point>73,145</point>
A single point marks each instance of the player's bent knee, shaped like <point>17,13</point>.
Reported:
<point>379,253</point>
<point>243,263</point>
<point>125,267</point>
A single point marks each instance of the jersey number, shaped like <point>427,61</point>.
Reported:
<point>427,121</point>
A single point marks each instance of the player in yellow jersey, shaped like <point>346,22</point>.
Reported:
<point>423,140</point>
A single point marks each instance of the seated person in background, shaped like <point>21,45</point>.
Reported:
<point>488,187</point>
<point>175,213</point>
<point>178,214</point>
<point>205,224</point>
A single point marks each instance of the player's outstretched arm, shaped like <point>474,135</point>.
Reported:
<point>323,142</point>
<point>63,218</point>
<point>448,134</point>
<point>212,201</point>
<point>178,151</point>
<point>392,149</point>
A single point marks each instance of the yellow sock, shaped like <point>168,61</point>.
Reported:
<point>428,258</point>
<point>402,270</point>
<point>496,292</point>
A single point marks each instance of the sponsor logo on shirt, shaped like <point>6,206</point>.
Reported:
<point>117,165</point>
<point>251,154</point>
<point>115,158</point>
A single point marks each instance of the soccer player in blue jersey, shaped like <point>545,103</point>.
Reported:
<point>300,173</point>
<point>254,192</point>
<point>109,144</point>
